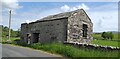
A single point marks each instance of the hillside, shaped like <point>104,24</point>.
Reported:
<point>5,31</point>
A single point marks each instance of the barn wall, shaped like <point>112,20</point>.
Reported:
<point>49,31</point>
<point>75,28</point>
<point>24,30</point>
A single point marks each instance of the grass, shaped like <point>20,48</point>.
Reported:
<point>97,39</point>
<point>98,36</point>
<point>71,51</point>
<point>68,50</point>
<point>106,43</point>
<point>4,39</point>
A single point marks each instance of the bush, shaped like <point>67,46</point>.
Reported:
<point>107,35</point>
<point>36,45</point>
<point>23,44</point>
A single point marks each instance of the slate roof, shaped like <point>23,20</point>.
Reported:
<point>59,16</point>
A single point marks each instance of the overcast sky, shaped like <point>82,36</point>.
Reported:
<point>104,15</point>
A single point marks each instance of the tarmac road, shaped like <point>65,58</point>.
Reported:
<point>17,51</point>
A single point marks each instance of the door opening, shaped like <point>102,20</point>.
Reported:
<point>35,37</point>
<point>28,38</point>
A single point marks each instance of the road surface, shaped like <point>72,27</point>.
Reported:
<point>0,50</point>
<point>17,51</point>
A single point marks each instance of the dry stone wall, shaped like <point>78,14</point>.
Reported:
<point>92,46</point>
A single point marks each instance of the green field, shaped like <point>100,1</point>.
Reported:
<point>98,36</point>
<point>105,42</point>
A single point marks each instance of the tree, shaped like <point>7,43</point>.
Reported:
<point>111,35</point>
<point>103,35</point>
<point>5,31</point>
<point>18,33</point>
<point>107,35</point>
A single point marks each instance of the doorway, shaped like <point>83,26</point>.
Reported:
<point>35,37</point>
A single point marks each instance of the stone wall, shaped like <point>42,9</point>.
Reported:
<point>75,27</point>
<point>92,46</point>
<point>24,31</point>
<point>49,31</point>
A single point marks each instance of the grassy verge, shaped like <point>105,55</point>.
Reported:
<point>70,51</point>
<point>4,39</point>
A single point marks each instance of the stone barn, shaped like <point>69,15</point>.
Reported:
<point>74,26</point>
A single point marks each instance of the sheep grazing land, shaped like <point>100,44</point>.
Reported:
<point>97,39</point>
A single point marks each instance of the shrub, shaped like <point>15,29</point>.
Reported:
<point>107,35</point>
<point>23,44</point>
<point>35,45</point>
<point>111,35</point>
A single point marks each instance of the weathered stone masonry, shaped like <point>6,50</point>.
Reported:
<point>74,26</point>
